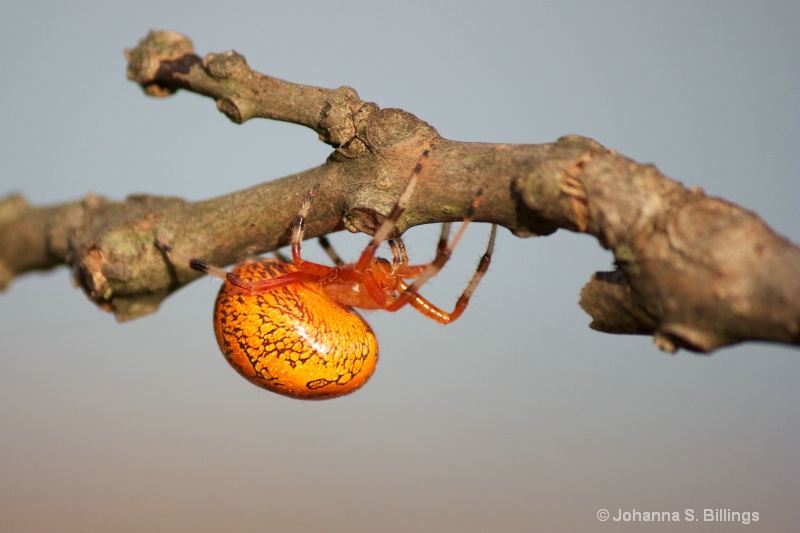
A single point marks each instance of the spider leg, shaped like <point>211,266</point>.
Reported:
<point>299,226</point>
<point>212,270</point>
<point>390,222</point>
<point>424,306</point>
<point>413,271</point>
<point>298,232</point>
<point>399,255</point>
<point>307,270</point>
<point>410,293</point>
<point>444,236</point>
<point>328,248</point>
<point>194,263</point>
<point>483,266</point>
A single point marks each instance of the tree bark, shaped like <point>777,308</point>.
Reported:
<point>693,271</point>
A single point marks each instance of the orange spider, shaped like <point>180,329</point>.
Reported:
<point>291,327</point>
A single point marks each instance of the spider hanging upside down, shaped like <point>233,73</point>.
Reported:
<point>291,327</point>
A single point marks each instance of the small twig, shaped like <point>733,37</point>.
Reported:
<point>693,271</point>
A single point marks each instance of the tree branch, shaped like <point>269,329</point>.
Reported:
<point>693,271</point>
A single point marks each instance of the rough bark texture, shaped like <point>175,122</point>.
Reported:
<point>693,271</point>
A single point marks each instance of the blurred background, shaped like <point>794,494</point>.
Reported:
<point>517,417</point>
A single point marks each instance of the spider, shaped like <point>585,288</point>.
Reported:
<point>292,327</point>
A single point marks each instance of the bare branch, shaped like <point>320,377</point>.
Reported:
<point>693,271</point>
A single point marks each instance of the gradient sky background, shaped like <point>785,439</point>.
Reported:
<point>516,418</point>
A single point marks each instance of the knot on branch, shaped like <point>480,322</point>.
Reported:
<point>159,48</point>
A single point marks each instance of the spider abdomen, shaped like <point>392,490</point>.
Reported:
<point>294,340</point>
